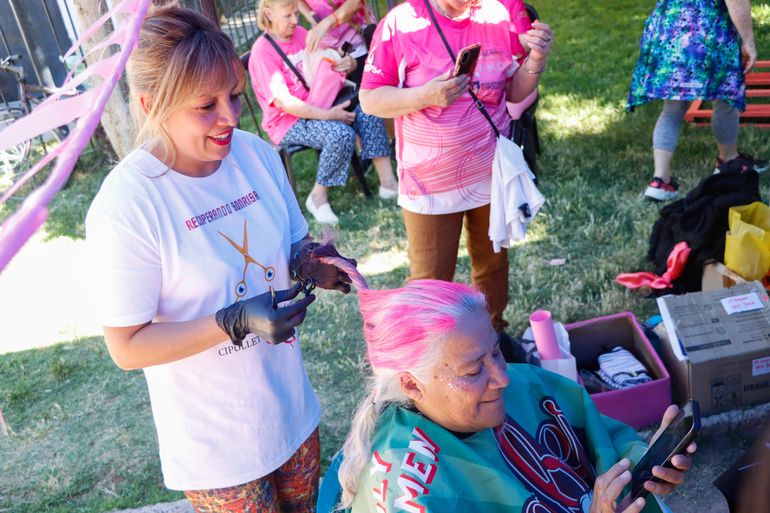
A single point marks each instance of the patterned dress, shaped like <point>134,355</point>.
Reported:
<point>689,50</point>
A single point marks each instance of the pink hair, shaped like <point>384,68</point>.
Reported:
<point>400,324</point>
<point>403,329</point>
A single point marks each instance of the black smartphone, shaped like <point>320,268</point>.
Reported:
<point>674,440</point>
<point>466,60</point>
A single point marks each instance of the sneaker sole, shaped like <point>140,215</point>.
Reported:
<point>655,194</point>
<point>759,170</point>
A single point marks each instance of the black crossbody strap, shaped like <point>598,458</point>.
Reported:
<point>287,61</point>
<point>479,105</point>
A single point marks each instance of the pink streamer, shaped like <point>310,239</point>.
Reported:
<point>30,173</point>
<point>46,117</point>
<point>34,211</point>
<point>90,31</point>
<point>71,83</point>
<point>112,39</point>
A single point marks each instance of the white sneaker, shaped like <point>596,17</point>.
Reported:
<point>387,194</point>
<point>323,214</point>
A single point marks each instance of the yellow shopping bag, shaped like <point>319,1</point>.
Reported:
<point>747,244</point>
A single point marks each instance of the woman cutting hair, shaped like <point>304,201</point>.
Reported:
<point>196,236</point>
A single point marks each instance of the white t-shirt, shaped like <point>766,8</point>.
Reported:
<point>164,248</point>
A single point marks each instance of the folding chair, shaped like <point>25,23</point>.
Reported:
<point>286,151</point>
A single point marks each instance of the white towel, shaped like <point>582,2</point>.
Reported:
<point>514,197</point>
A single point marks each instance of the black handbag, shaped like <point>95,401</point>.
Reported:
<point>347,93</point>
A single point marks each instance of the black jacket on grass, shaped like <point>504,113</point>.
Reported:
<point>700,219</point>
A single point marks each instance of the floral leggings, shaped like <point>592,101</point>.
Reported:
<point>337,140</point>
<point>291,488</point>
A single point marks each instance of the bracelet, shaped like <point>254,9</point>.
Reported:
<point>295,262</point>
<point>336,19</point>
<point>529,71</point>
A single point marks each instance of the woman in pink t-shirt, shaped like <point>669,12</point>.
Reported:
<point>444,145</point>
<point>289,119</point>
<point>521,24</point>
<point>336,22</point>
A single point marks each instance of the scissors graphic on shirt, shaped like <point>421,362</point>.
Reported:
<point>240,287</point>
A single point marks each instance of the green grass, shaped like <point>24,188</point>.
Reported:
<point>82,437</point>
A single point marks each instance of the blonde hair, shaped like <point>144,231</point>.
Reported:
<point>262,21</point>
<point>179,52</point>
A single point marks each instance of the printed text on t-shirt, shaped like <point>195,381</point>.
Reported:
<point>415,479</point>
<point>221,211</point>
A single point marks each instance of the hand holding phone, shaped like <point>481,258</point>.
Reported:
<point>466,60</point>
<point>674,439</point>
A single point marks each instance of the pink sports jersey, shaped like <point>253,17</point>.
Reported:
<point>519,15</point>
<point>520,23</point>
<point>444,153</point>
<point>270,76</point>
<point>350,32</point>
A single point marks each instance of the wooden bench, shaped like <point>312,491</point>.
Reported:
<point>756,114</point>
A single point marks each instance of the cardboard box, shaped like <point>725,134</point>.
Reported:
<point>718,276</point>
<point>637,406</point>
<point>717,346</point>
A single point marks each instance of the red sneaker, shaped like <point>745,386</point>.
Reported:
<point>658,190</point>
<point>741,164</point>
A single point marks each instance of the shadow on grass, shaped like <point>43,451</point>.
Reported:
<point>81,435</point>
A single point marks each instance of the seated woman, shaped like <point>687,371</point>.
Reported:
<point>521,24</point>
<point>336,22</point>
<point>289,119</point>
<point>446,426</point>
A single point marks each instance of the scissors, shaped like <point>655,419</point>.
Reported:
<point>306,287</point>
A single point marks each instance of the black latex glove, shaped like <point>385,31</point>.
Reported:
<point>325,276</point>
<point>258,316</point>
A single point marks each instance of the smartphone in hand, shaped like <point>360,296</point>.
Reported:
<point>466,60</point>
<point>672,441</point>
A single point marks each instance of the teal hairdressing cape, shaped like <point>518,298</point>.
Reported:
<point>543,459</point>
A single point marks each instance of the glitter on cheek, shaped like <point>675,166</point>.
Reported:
<point>459,383</point>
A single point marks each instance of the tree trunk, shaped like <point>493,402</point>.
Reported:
<point>116,120</point>
<point>209,10</point>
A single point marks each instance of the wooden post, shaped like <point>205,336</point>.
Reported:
<point>209,10</point>
<point>116,119</point>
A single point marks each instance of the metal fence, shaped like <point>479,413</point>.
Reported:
<point>39,32</point>
<point>238,19</point>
